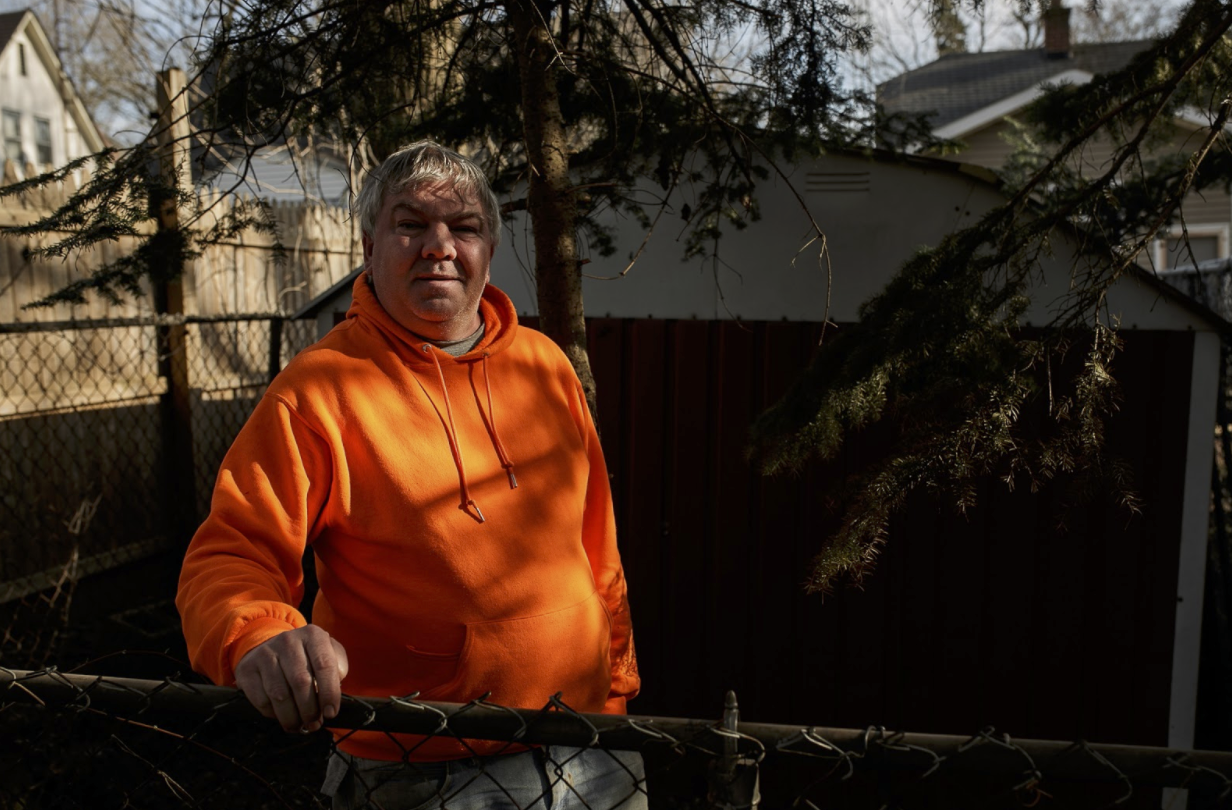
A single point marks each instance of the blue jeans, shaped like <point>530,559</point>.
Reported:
<point>547,778</point>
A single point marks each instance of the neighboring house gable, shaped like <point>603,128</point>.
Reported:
<point>969,97</point>
<point>42,121</point>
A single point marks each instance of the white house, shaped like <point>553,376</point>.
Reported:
<point>42,121</point>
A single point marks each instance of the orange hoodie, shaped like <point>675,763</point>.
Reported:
<point>460,516</point>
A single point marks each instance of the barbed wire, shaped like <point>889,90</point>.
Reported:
<point>53,718</point>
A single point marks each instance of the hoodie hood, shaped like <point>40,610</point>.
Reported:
<point>500,321</point>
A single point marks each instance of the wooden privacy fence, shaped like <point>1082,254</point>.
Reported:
<point>320,244</point>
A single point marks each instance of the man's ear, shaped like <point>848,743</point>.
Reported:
<point>366,241</point>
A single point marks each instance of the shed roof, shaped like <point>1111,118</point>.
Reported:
<point>326,299</point>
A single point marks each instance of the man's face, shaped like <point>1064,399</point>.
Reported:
<point>429,257</point>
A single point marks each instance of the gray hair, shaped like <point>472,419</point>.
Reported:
<point>425,162</point>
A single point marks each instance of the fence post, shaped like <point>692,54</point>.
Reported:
<point>175,169</point>
<point>734,781</point>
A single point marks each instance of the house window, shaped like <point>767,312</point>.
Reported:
<point>42,140</point>
<point>1202,248</point>
<point>1205,242</point>
<point>21,58</point>
<point>12,137</point>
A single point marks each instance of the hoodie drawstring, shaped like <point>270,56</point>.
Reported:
<point>451,432</point>
<point>501,453</point>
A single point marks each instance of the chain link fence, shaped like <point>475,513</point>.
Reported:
<point>111,433</point>
<point>85,740</point>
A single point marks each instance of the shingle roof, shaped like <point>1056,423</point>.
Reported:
<point>960,84</point>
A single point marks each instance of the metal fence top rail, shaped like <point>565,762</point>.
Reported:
<point>556,724</point>
<point>25,327</point>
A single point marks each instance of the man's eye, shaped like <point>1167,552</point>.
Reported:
<point>410,223</point>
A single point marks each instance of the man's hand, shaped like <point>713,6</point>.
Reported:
<point>295,677</point>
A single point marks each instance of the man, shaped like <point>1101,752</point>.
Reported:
<point>442,462</point>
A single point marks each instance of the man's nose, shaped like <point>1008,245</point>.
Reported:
<point>438,242</point>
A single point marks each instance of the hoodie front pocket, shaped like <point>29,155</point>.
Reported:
<point>430,670</point>
<point>523,662</point>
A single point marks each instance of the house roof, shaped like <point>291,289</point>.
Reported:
<point>958,85</point>
<point>9,23</point>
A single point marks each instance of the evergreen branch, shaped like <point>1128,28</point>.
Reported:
<point>150,260</point>
<point>58,175</point>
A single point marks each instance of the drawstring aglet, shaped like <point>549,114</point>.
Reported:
<point>513,479</point>
<point>478,511</point>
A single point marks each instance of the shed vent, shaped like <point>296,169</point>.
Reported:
<point>836,182</point>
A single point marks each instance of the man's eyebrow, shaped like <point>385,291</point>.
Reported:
<point>406,207</point>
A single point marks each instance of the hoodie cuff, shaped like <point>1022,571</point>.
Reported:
<point>615,705</point>
<point>254,634</point>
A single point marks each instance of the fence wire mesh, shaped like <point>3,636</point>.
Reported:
<point>85,740</point>
<point>94,416</point>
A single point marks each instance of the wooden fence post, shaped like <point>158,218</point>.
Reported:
<point>175,169</point>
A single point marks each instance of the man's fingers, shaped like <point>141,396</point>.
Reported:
<point>281,699</point>
<point>323,663</point>
<point>249,682</point>
<point>299,673</point>
<point>340,656</point>
<point>329,679</point>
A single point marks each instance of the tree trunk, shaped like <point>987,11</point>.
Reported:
<point>550,202</point>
